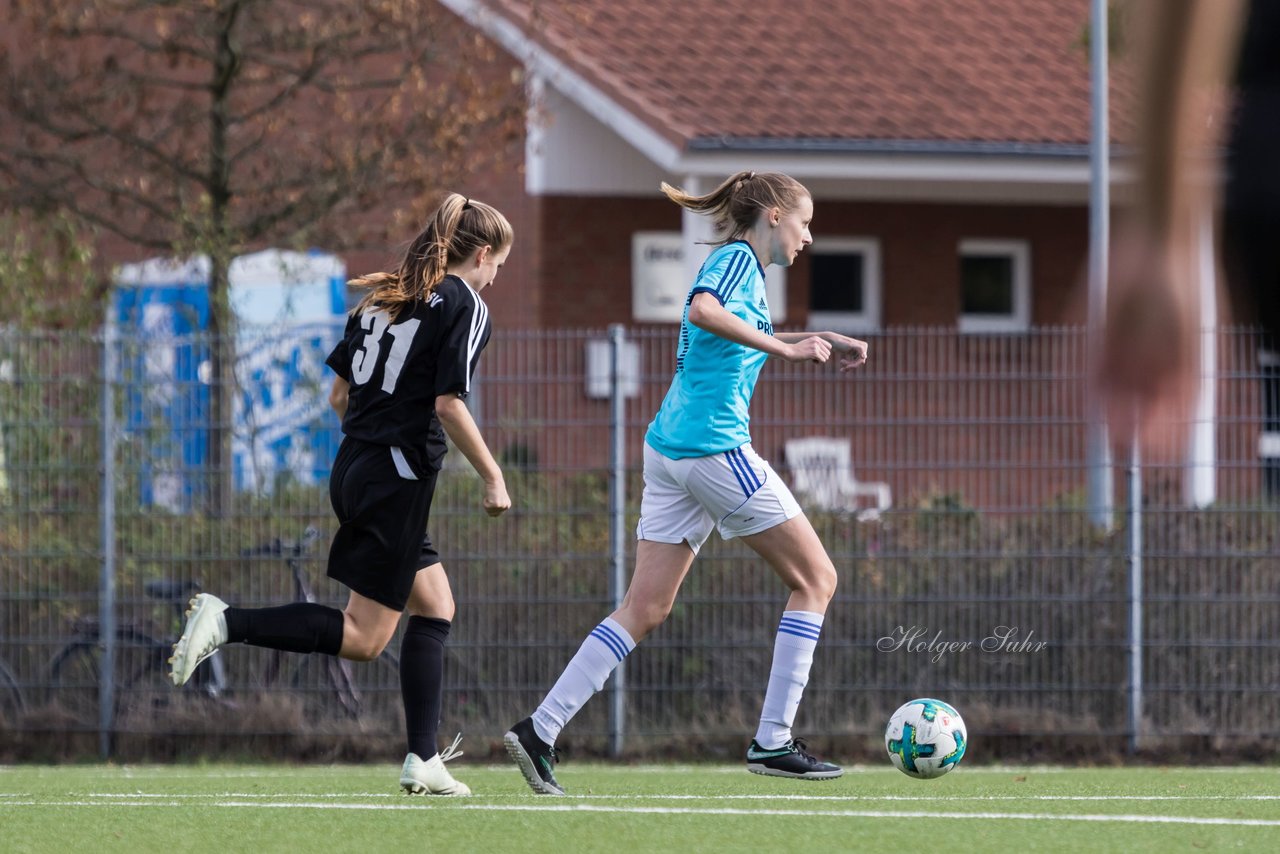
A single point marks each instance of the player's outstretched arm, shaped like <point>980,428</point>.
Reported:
<point>456,420</point>
<point>706,312</point>
<point>852,351</point>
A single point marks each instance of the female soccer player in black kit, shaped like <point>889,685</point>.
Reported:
<point>404,368</point>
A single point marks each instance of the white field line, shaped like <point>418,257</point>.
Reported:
<point>173,773</point>
<point>934,799</point>
<point>591,808</point>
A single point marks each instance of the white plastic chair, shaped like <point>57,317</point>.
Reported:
<point>822,471</point>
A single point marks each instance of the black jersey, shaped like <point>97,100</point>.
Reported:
<point>396,371</point>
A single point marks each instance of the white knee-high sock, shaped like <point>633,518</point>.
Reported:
<point>600,653</point>
<point>798,633</point>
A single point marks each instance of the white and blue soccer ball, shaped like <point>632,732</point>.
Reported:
<point>926,738</point>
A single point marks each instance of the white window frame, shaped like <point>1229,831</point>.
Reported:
<point>1020,319</point>
<point>867,320</point>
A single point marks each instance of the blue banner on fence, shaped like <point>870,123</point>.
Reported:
<point>290,310</point>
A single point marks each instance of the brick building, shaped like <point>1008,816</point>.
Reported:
<point>946,146</point>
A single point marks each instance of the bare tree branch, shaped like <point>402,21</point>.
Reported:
<point>312,100</point>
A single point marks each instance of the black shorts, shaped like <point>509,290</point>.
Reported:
<point>427,554</point>
<point>380,544</point>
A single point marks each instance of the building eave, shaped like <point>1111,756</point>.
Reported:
<point>924,169</point>
<point>795,145</point>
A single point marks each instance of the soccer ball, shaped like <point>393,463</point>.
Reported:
<point>925,738</point>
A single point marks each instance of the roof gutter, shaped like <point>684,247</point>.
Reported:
<point>822,145</point>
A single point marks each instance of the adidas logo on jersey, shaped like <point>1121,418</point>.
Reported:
<point>763,304</point>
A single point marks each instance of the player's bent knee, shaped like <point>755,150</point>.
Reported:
<point>357,647</point>
<point>366,652</point>
<point>649,616</point>
<point>820,584</point>
<point>435,612</point>
<point>827,583</point>
<point>828,592</point>
<point>651,619</point>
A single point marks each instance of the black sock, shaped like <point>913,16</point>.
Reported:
<point>300,627</point>
<point>422,682</point>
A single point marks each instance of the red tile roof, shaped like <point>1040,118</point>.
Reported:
<point>948,71</point>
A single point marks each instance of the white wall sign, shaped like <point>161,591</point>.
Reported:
<point>660,283</point>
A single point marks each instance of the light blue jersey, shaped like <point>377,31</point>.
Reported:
<point>705,411</point>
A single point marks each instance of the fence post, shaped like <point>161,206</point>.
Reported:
<point>617,521</point>
<point>1097,444</point>
<point>107,540</point>
<point>1135,594</point>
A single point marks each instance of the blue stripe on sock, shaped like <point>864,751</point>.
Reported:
<point>801,622</point>
<point>783,631</point>
<point>799,628</point>
<point>626,648</point>
<point>799,625</point>
<point>610,638</point>
<point>609,642</point>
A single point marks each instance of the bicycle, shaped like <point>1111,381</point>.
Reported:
<point>144,691</point>
<point>12,704</point>
<point>367,693</point>
<point>141,687</point>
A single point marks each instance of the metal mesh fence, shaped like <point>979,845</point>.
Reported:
<point>949,491</point>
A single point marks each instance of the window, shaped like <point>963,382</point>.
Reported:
<point>844,284</point>
<point>995,286</point>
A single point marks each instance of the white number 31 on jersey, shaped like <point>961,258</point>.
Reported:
<point>376,324</point>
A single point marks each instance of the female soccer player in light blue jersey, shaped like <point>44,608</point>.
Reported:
<point>700,472</point>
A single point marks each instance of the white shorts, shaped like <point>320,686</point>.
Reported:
<point>737,492</point>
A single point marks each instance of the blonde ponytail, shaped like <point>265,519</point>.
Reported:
<point>458,228</point>
<point>736,204</point>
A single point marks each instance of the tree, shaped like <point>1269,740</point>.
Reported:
<point>215,125</point>
<point>47,277</point>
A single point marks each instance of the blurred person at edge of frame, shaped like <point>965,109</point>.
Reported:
<point>1209,80</point>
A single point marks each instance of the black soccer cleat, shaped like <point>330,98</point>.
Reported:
<point>534,756</point>
<point>790,760</point>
